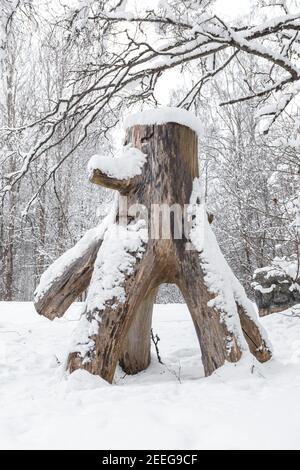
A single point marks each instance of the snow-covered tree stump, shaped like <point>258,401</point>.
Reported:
<point>158,172</point>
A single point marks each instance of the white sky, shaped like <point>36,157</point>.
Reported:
<point>226,9</point>
<point>232,8</point>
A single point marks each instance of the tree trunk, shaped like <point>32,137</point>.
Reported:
<point>166,181</point>
<point>217,343</point>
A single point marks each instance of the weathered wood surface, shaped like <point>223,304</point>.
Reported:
<point>167,178</point>
<point>253,336</point>
<point>136,349</point>
<point>216,342</point>
<point>98,177</point>
<point>116,321</point>
<point>274,289</point>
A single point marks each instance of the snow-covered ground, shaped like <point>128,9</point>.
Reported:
<point>168,406</point>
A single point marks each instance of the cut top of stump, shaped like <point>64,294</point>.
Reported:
<point>164,115</point>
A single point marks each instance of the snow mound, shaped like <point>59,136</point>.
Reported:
<point>164,115</point>
<point>82,380</point>
<point>127,165</point>
<point>169,406</point>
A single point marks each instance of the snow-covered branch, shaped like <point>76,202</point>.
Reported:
<point>136,49</point>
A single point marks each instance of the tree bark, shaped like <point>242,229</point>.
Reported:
<point>253,336</point>
<point>166,180</point>
<point>69,285</point>
<point>136,353</point>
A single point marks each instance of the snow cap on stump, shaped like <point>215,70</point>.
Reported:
<point>162,116</point>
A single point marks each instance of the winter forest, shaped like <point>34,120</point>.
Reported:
<point>72,74</point>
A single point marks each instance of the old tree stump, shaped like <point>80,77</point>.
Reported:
<point>132,253</point>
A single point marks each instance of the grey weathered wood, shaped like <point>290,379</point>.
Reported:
<point>137,345</point>
<point>116,320</point>
<point>69,285</point>
<point>214,337</point>
<point>98,177</point>
<point>253,336</point>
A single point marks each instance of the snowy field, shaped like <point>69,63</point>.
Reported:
<point>169,406</point>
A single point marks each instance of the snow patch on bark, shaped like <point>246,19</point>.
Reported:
<point>63,263</point>
<point>281,268</point>
<point>219,277</point>
<point>127,165</point>
<point>121,248</point>
<point>162,116</point>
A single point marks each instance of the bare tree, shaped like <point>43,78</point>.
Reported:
<point>129,52</point>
